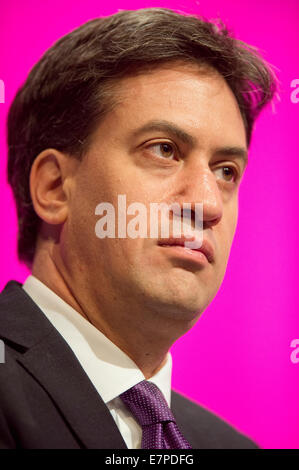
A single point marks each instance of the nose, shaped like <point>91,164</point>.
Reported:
<point>199,185</point>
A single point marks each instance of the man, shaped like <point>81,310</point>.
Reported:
<point>155,107</point>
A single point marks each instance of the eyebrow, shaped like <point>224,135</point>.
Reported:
<point>167,127</point>
<point>237,152</point>
<point>173,129</point>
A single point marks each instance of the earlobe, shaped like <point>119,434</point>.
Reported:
<point>47,180</point>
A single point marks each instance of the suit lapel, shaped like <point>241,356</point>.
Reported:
<point>54,365</point>
<point>186,419</point>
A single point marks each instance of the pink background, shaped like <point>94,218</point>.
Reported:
<point>236,360</point>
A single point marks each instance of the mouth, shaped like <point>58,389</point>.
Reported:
<point>177,246</point>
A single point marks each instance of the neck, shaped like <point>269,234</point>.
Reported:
<point>143,334</point>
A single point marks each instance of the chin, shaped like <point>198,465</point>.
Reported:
<point>184,304</point>
<point>187,307</point>
<point>178,293</point>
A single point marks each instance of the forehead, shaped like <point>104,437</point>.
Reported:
<point>197,99</point>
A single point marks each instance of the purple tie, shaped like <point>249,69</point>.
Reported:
<point>159,429</point>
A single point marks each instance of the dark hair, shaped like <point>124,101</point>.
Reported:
<point>71,88</point>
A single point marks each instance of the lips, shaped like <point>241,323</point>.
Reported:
<point>206,248</point>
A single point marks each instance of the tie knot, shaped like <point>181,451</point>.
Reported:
<point>147,404</point>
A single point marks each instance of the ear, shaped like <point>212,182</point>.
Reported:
<point>49,186</point>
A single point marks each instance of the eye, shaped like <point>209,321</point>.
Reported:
<point>227,173</point>
<point>164,150</point>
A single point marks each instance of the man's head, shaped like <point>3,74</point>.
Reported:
<point>89,124</point>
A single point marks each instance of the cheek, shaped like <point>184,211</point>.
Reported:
<point>232,227</point>
<point>227,229</point>
<point>234,220</point>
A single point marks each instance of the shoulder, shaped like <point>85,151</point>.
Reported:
<point>8,293</point>
<point>13,298</point>
<point>21,321</point>
<point>205,429</point>
<point>13,303</point>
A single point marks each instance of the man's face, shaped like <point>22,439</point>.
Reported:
<point>200,163</point>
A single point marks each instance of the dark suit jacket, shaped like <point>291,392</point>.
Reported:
<point>48,401</point>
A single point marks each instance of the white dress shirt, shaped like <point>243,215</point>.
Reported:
<point>110,370</point>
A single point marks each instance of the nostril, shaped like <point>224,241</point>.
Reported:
<point>211,222</point>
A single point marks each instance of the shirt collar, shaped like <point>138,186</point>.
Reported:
<point>110,370</point>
